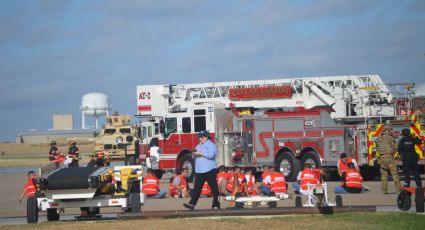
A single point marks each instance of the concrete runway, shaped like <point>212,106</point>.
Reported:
<point>12,212</point>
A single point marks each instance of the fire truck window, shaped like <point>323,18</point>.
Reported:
<point>150,131</point>
<point>170,126</point>
<point>156,128</point>
<point>199,112</point>
<point>125,131</point>
<point>200,123</point>
<point>186,125</point>
<point>144,133</point>
<point>109,131</point>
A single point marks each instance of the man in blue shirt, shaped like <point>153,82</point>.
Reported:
<point>205,170</point>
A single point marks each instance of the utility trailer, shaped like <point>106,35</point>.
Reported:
<point>87,188</point>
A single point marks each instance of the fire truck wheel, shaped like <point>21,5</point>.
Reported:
<point>298,202</point>
<point>338,201</point>
<point>52,214</point>
<point>312,158</point>
<point>288,165</point>
<point>404,201</point>
<point>32,210</point>
<point>187,162</point>
<point>419,200</point>
<point>135,202</point>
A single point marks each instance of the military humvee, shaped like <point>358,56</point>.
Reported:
<point>118,125</point>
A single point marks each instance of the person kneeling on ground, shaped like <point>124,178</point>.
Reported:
<point>306,177</point>
<point>151,186</point>
<point>351,181</point>
<point>222,178</point>
<point>236,182</point>
<point>265,187</point>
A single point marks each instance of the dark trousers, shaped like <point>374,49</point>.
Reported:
<point>211,178</point>
<point>411,165</point>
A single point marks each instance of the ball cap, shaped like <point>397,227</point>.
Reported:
<point>204,133</point>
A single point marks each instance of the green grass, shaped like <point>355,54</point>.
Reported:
<point>376,221</point>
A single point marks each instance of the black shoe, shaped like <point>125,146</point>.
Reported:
<point>191,207</point>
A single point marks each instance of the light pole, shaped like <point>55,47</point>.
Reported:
<point>120,145</point>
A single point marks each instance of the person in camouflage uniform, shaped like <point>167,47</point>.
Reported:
<point>386,158</point>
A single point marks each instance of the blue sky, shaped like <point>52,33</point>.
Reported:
<point>55,51</point>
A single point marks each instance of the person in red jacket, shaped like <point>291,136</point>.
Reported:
<point>352,181</point>
<point>251,187</point>
<point>222,178</point>
<point>241,180</point>
<point>265,187</point>
<point>151,186</point>
<point>178,186</point>
<point>306,177</point>
<point>277,182</point>
<point>30,188</point>
<point>343,162</point>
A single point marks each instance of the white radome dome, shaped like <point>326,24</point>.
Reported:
<point>95,103</point>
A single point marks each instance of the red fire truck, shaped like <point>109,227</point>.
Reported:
<point>281,122</point>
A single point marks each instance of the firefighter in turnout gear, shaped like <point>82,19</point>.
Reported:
<point>406,148</point>
<point>73,153</point>
<point>386,158</point>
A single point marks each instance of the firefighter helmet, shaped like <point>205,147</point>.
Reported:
<point>52,142</point>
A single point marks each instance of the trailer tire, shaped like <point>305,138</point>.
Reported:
<point>311,157</point>
<point>288,164</point>
<point>419,200</point>
<point>338,201</point>
<point>52,214</point>
<point>404,201</point>
<point>32,210</point>
<point>298,202</point>
<point>187,162</point>
<point>135,202</point>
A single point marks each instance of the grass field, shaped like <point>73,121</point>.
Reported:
<point>25,155</point>
<point>337,221</point>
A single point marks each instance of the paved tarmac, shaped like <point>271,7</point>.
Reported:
<point>12,212</point>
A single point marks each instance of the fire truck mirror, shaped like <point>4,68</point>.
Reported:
<point>162,127</point>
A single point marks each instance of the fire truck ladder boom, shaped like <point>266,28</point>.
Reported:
<point>355,96</point>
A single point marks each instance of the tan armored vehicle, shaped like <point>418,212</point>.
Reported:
<point>117,126</point>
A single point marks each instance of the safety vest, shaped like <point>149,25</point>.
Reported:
<point>183,183</point>
<point>73,151</point>
<point>353,179</point>
<point>229,186</point>
<point>221,176</point>
<point>343,167</point>
<point>308,176</point>
<point>263,176</point>
<point>278,182</point>
<point>206,189</point>
<point>150,185</point>
<point>30,188</point>
<point>250,185</point>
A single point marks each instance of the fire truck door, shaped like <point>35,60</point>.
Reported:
<point>263,141</point>
<point>333,145</point>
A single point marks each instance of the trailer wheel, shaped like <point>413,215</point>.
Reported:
<point>52,214</point>
<point>312,158</point>
<point>288,165</point>
<point>187,162</point>
<point>338,201</point>
<point>135,202</point>
<point>419,200</point>
<point>32,210</point>
<point>272,204</point>
<point>404,201</point>
<point>298,202</point>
